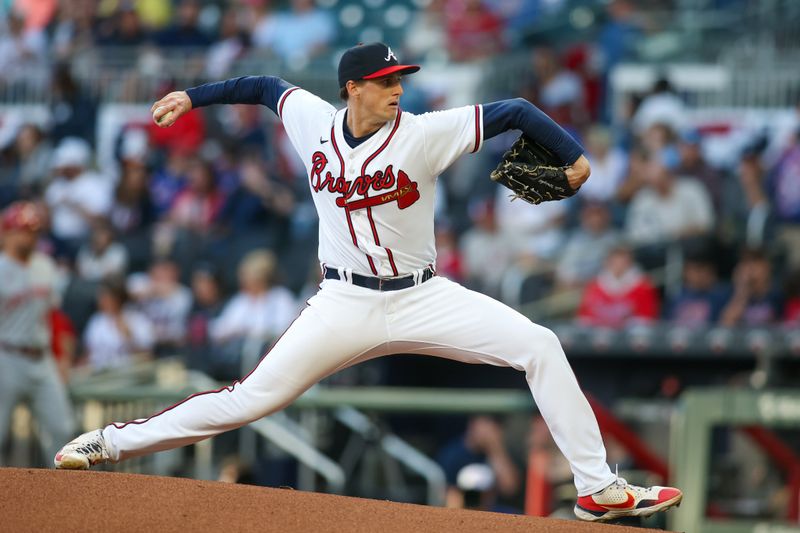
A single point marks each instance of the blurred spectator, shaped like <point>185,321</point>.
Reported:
<point>123,28</point>
<point>102,258</point>
<point>473,31</point>
<point>73,112</point>
<point>33,159</point>
<point>75,30</point>
<point>198,205</point>
<point>537,233</point>
<point>164,301</point>
<point>258,210</point>
<point>23,53</point>
<point>77,196</point>
<point>693,165</point>
<point>132,213</point>
<point>482,442</point>
<point>702,297</point>
<point>662,105</point>
<point>634,181</point>
<point>620,34</point>
<point>426,35</point>
<point>668,207</point>
<point>116,334</point>
<point>229,46</point>
<point>206,307</point>
<point>448,256</point>
<point>783,186</point>
<point>486,251</point>
<point>609,164</point>
<point>261,309</point>
<point>748,217</point>
<point>185,31</point>
<point>587,246</point>
<point>620,295</point>
<point>755,301</point>
<point>297,35</point>
<point>476,486</point>
<point>168,181</point>
<point>560,91</point>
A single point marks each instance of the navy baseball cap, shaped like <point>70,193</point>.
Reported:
<point>369,61</point>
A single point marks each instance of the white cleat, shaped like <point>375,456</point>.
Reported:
<point>621,499</point>
<point>87,450</point>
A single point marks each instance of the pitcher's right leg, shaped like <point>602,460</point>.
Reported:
<point>335,328</point>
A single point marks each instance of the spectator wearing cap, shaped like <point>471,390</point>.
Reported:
<point>77,196</point>
<point>620,295</point>
<point>28,293</point>
<point>668,208</point>
<point>661,106</point>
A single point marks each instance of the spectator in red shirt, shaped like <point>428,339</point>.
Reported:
<point>620,295</point>
<point>473,31</point>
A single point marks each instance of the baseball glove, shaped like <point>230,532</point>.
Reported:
<point>533,173</point>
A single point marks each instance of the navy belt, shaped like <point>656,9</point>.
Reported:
<point>381,284</point>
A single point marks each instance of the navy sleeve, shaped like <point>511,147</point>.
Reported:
<point>519,114</point>
<point>264,90</point>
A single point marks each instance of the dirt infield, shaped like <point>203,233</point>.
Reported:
<point>49,500</point>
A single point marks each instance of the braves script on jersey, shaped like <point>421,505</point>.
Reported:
<point>375,201</point>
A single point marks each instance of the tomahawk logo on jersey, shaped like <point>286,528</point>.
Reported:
<point>375,201</point>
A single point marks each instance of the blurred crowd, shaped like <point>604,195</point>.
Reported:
<point>200,239</point>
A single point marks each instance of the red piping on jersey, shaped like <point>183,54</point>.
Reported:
<point>477,129</point>
<point>229,388</point>
<point>347,211</point>
<point>369,209</point>
<point>283,101</point>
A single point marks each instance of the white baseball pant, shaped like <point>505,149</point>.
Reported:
<point>344,324</point>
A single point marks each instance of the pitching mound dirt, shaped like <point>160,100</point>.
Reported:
<point>49,500</point>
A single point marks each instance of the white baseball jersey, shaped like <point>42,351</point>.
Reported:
<point>375,201</point>
<point>27,293</point>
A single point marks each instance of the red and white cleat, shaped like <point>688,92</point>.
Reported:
<point>87,450</point>
<point>620,499</point>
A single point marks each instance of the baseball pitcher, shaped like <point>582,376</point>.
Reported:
<point>372,168</point>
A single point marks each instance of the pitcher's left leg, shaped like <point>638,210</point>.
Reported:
<point>443,319</point>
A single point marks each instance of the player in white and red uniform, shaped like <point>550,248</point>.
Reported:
<point>372,169</point>
<point>28,293</point>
